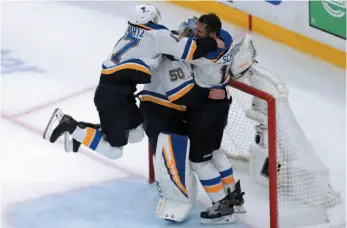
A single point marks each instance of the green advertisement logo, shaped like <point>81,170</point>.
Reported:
<point>328,16</point>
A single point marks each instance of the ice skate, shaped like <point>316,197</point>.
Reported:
<point>219,213</point>
<point>237,198</point>
<point>70,144</point>
<point>65,123</point>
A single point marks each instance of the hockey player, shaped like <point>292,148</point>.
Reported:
<point>205,126</point>
<point>132,61</point>
<point>203,121</point>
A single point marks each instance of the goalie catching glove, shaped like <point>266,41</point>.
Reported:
<point>244,54</point>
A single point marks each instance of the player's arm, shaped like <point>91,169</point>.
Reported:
<point>205,45</point>
<point>181,89</point>
<point>184,48</point>
<point>187,93</point>
<point>193,96</point>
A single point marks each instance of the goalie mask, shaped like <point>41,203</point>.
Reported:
<point>186,29</point>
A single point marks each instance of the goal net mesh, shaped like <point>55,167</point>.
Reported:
<point>302,178</point>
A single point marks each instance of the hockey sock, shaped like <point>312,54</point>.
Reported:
<point>222,164</point>
<point>93,139</point>
<point>210,180</point>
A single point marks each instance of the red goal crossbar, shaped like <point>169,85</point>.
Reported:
<point>272,153</point>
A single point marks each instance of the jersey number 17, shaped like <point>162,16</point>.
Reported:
<point>133,42</point>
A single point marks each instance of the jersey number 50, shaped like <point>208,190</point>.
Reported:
<point>116,57</point>
<point>176,74</point>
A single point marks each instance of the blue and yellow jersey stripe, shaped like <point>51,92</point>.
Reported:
<point>133,64</point>
<point>180,91</point>
<point>213,185</point>
<point>160,99</point>
<point>227,176</point>
<point>92,138</point>
<point>189,49</point>
<point>176,174</point>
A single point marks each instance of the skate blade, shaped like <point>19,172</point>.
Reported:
<point>68,143</point>
<point>56,117</point>
<point>240,209</point>
<point>222,220</point>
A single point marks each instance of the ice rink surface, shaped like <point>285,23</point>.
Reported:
<point>51,57</point>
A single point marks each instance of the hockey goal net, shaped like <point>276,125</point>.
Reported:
<point>264,140</point>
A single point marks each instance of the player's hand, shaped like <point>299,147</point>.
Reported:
<point>220,43</point>
<point>217,94</point>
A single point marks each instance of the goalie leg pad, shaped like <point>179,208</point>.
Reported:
<point>174,181</point>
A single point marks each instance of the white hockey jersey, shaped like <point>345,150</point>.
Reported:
<point>141,48</point>
<point>174,79</point>
<point>156,91</point>
<point>173,86</point>
<point>211,71</point>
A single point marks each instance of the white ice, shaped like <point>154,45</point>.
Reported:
<point>51,51</point>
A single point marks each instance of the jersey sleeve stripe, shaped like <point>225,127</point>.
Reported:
<point>192,50</point>
<point>189,49</point>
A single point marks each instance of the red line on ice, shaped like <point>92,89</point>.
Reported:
<point>49,103</point>
<point>14,119</point>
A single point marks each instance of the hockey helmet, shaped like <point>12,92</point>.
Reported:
<point>145,13</point>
